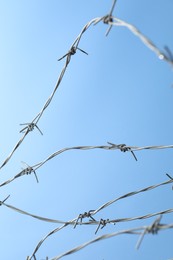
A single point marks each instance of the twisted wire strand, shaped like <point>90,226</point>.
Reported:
<point>110,146</point>
<point>75,220</point>
<point>38,116</point>
<point>130,194</point>
<point>32,215</point>
<point>134,231</point>
<point>118,22</point>
<point>44,238</point>
<point>14,149</point>
<point>149,215</point>
<point>90,222</point>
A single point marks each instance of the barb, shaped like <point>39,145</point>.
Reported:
<point>169,53</point>
<point>29,170</point>
<point>109,19</point>
<point>102,224</point>
<point>123,148</point>
<point>30,127</point>
<point>72,51</point>
<point>170,178</point>
<point>26,171</point>
<point>84,215</point>
<point>154,228</point>
<point>134,231</point>
<point>2,202</point>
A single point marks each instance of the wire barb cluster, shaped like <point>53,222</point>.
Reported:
<point>153,229</point>
<point>30,127</point>
<point>84,215</point>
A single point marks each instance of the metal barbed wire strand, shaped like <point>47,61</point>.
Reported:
<point>38,165</point>
<point>74,47</point>
<point>136,231</point>
<point>93,212</point>
<point>110,146</point>
<point>49,234</point>
<point>31,215</point>
<point>131,194</point>
<point>118,22</point>
<point>30,126</point>
<point>102,223</point>
<point>28,170</point>
<point>14,149</point>
<point>149,215</point>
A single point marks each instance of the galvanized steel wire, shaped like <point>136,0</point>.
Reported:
<point>111,21</point>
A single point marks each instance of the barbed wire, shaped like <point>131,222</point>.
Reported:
<point>146,229</point>
<point>91,213</point>
<point>111,21</point>
<point>152,229</point>
<point>161,55</point>
<point>102,222</point>
<point>111,146</point>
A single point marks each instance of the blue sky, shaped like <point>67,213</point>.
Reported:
<point>120,93</point>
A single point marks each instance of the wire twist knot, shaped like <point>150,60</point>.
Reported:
<point>29,170</point>
<point>84,215</point>
<point>102,224</point>
<point>153,229</point>
<point>30,127</point>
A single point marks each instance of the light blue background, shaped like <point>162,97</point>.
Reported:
<point>121,93</point>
